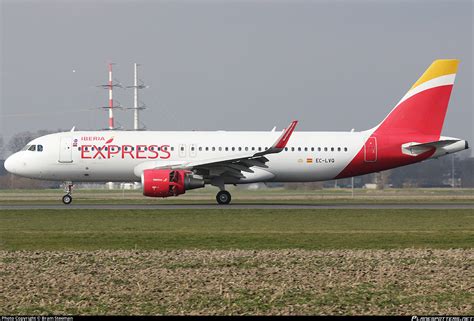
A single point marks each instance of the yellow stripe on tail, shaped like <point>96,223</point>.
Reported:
<point>438,68</point>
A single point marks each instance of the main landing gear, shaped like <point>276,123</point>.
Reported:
<point>223,197</point>
<point>67,199</point>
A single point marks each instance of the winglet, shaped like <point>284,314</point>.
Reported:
<point>285,136</point>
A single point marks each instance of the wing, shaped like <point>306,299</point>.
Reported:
<point>230,165</point>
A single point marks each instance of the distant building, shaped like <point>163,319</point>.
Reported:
<point>370,186</point>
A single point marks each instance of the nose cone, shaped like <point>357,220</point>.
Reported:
<point>10,164</point>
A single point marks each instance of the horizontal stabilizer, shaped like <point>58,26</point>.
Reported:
<point>415,149</point>
<point>439,143</point>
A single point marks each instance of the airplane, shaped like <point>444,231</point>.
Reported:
<point>169,163</point>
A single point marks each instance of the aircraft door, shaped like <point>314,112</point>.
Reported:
<point>370,150</point>
<point>65,150</point>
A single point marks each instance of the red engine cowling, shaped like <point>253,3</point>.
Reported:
<point>167,182</point>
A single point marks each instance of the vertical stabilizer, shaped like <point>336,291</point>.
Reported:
<point>423,108</point>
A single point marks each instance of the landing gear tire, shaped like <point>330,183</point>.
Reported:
<point>67,199</point>
<point>223,198</point>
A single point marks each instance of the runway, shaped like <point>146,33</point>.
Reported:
<point>237,206</point>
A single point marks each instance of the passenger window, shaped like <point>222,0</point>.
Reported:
<point>40,148</point>
<point>246,148</point>
<point>319,149</point>
<point>292,149</point>
<point>332,149</point>
<point>32,148</point>
<point>299,149</point>
<point>260,149</point>
<point>339,149</point>
<point>172,148</point>
<point>233,148</point>
<point>240,148</point>
<point>286,149</point>
<point>345,149</point>
<point>253,148</point>
<point>200,148</point>
<point>220,148</point>
<point>207,149</point>
<point>192,149</point>
<point>325,149</point>
<point>213,148</point>
<point>182,148</point>
<point>312,149</point>
<point>226,149</point>
<point>306,149</point>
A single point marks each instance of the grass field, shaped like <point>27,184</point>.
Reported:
<point>237,262</point>
<point>236,229</point>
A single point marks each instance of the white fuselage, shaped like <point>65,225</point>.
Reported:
<point>74,156</point>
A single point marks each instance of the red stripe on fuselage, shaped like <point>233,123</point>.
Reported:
<point>418,119</point>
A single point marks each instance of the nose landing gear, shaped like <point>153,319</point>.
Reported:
<point>223,197</point>
<point>67,199</point>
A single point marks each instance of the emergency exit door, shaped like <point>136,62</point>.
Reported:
<point>65,150</point>
<point>370,150</point>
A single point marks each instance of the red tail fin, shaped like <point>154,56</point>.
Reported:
<point>422,110</point>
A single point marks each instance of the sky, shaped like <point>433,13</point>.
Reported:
<point>228,65</point>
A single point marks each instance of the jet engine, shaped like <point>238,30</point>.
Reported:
<point>167,182</point>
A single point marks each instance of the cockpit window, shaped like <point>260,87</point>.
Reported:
<point>40,148</point>
<point>26,147</point>
<point>32,148</point>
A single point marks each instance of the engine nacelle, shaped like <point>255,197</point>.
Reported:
<point>168,182</point>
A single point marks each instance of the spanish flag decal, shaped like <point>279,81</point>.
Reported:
<point>309,160</point>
